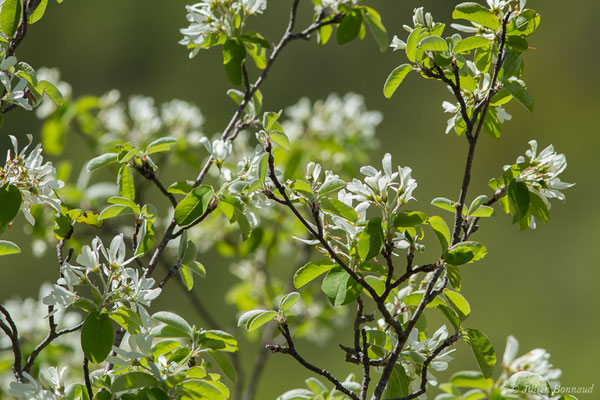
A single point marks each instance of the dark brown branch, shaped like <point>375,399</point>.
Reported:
<point>450,340</point>
<point>291,350</point>
<point>364,387</point>
<point>147,172</point>
<point>53,334</point>
<point>16,40</point>
<point>458,217</point>
<point>13,334</point>
<point>86,377</point>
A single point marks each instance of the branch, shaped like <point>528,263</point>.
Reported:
<point>13,335</point>
<point>16,40</point>
<point>450,340</point>
<point>291,350</point>
<point>458,217</point>
<point>364,387</point>
<point>86,377</point>
<point>147,172</point>
<point>53,334</point>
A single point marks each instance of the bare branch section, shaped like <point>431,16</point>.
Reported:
<point>291,350</point>
<point>13,334</point>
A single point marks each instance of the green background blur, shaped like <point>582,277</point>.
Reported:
<point>541,286</point>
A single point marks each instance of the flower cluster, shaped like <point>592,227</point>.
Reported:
<point>34,178</point>
<point>210,19</point>
<point>141,121</point>
<point>120,285</point>
<point>542,174</point>
<point>342,127</point>
<point>389,189</point>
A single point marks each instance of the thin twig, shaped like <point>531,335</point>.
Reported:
<point>13,334</point>
<point>291,350</point>
<point>86,377</point>
<point>53,334</point>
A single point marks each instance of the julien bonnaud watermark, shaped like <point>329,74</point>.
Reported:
<point>558,390</point>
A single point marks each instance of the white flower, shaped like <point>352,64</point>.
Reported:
<point>536,361</point>
<point>212,17</point>
<point>542,176</point>
<point>32,177</point>
<point>219,149</point>
<point>60,298</point>
<point>31,390</point>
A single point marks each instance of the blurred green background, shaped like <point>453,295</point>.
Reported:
<point>541,286</point>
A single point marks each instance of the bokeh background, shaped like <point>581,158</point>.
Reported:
<point>541,286</point>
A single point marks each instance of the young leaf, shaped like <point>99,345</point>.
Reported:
<point>339,208</point>
<point>311,271</point>
<point>518,193</point>
<point>234,54</point>
<point>52,91</point>
<point>125,182</point>
<point>161,144</point>
<point>101,161</point>
<point>174,321</point>
<point>97,337</point>
<point>193,206</point>
<point>459,303</point>
<point>349,28</point>
<point>528,382</point>
<point>331,185</point>
<point>340,287</point>
<point>408,219</point>
<point>280,139</point>
<point>444,204</point>
<point>223,363</point>
<point>259,320</point>
<point>10,204</point>
<point>8,248</point>
<point>433,43</point>
<point>370,241</point>
<point>397,386</point>
<point>10,16</point>
<point>395,79</point>
<point>471,379</point>
<point>288,301</point>
<point>441,230</point>
<point>378,31</point>
<point>127,318</point>
<point>477,13</point>
<point>483,351</point>
<point>411,44</point>
<point>522,95</point>
<point>133,380</point>
<point>471,43</point>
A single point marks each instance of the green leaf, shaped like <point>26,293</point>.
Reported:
<point>471,379</point>
<point>349,28</point>
<point>311,271</point>
<point>101,161</point>
<point>270,119</point>
<point>133,380</point>
<point>195,389</point>
<point>288,301</point>
<point>414,299</point>
<point>97,337</point>
<point>477,13</point>
<point>522,95</point>
<point>471,43</point>
<point>339,208</point>
<point>395,79</point>
<point>409,219</point>
<point>114,211</point>
<point>174,321</point>
<point>127,318</point>
<point>370,240</point>
<point>483,351</point>
<point>444,204</point>
<point>528,382</point>
<point>331,185</point>
<point>8,248</point>
<point>243,223</point>
<point>38,13</point>
<point>10,204</point>
<point>234,54</point>
<point>454,276</point>
<point>280,139</point>
<point>411,44</point>
<point>433,43</point>
<point>224,364</point>
<point>518,194</point>
<point>161,144</point>
<point>378,31</point>
<point>193,206</point>
<point>219,340</point>
<point>441,230</point>
<point>51,90</point>
<point>125,182</point>
<point>181,187</point>
<point>186,277</point>
<point>459,303</point>
<point>254,319</point>
<point>10,16</point>
<point>340,287</point>
<point>146,238</point>
<point>397,386</point>
<point>464,252</point>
